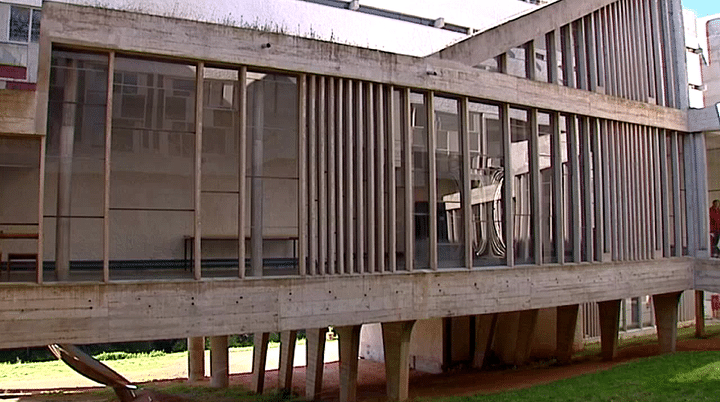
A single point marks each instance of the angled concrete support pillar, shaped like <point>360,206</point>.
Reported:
<point>315,360</point>
<point>484,330</point>
<point>396,343</point>
<point>349,350</point>
<point>609,320</point>
<point>699,313</point>
<point>260,347</point>
<point>666,314</point>
<point>219,367</point>
<point>287,358</point>
<point>196,358</point>
<point>526,331</point>
<point>566,324</point>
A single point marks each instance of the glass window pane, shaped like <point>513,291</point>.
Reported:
<point>520,135</point>
<point>399,128</point>
<point>75,165</point>
<point>272,167</point>
<point>152,175</point>
<point>219,188</point>
<point>35,28</point>
<point>19,23</point>
<point>547,207</point>
<point>449,179</point>
<point>486,184</point>
<point>421,178</point>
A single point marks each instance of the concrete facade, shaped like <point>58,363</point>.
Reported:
<point>242,181</point>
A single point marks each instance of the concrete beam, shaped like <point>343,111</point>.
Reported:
<point>487,44</point>
<point>666,315</point>
<point>260,348</point>
<point>609,326</point>
<point>219,362</point>
<point>287,359</point>
<point>85,26</point>
<point>566,325</point>
<point>396,344</point>
<point>196,358</point>
<point>315,362</point>
<point>706,119</point>
<point>123,311</point>
<point>349,351</point>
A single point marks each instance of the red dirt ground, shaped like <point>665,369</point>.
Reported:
<point>371,377</point>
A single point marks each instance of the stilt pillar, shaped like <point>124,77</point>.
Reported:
<point>287,359</point>
<point>196,358</point>
<point>609,320</point>
<point>349,350</point>
<point>699,314</point>
<point>260,347</point>
<point>526,331</point>
<point>565,332</point>
<point>484,331</point>
<point>219,367</point>
<point>396,343</point>
<point>315,362</point>
<point>666,314</point>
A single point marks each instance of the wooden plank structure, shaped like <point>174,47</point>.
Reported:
<point>417,188</point>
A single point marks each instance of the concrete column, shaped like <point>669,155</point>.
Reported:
<point>219,367</point>
<point>609,320</point>
<point>349,350</point>
<point>315,362</point>
<point>699,313</point>
<point>260,347</point>
<point>666,314</point>
<point>396,343</point>
<point>287,358</point>
<point>196,358</point>
<point>526,331</point>
<point>65,173</point>
<point>484,331</point>
<point>565,335</point>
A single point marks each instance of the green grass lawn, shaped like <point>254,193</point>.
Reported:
<point>139,367</point>
<point>689,376</point>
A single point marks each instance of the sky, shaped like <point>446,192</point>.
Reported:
<point>702,8</point>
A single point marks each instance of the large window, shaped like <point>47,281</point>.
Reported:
<point>486,184</point>
<point>24,24</point>
<point>75,164</point>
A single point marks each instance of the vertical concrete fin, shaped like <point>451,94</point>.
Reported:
<point>566,325</point>
<point>260,347</point>
<point>349,350</point>
<point>287,358</point>
<point>196,358</point>
<point>396,343</point>
<point>315,360</point>
<point>484,331</point>
<point>666,315</point>
<point>219,369</point>
<point>609,320</point>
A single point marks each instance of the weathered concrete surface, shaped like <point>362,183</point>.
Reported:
<point>17,112</point>
<point>35,315</point>
<point>90,27</point>
<point>707,275</point>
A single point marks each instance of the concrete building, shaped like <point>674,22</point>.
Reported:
<point>189,174</point>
